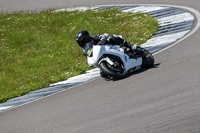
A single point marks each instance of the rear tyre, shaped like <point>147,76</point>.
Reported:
<point>116,71</point>
<point>147,59</point>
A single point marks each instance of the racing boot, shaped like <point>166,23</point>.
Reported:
<point>130,46</point>
<point>134,49</point>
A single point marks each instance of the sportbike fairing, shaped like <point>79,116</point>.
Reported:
<point>99,51</point>
<point>88,47</point>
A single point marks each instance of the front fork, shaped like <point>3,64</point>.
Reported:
<point>114,66</point>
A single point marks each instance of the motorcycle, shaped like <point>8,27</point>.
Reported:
<point>116,61</point>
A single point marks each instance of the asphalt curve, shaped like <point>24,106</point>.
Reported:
<point>163,99</point>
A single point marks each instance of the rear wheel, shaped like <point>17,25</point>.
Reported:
<point>147,59</point>
<point>116,71</point>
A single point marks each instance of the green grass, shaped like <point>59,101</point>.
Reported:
<point>37,50</point>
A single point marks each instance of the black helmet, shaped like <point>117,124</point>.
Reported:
<point>82,38</point>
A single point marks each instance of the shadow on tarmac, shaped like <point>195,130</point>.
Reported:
<point>141,70</point>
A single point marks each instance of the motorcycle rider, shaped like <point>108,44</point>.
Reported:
<point>86,42</point>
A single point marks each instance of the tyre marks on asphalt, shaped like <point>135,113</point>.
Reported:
<point>174,24</point>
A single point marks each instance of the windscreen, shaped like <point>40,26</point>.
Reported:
<point>89,46</point>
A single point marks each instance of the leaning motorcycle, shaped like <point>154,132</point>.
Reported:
<point>117,62</point>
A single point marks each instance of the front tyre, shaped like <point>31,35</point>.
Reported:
<point>116,71</point>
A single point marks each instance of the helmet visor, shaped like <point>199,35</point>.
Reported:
<point>88,47</point>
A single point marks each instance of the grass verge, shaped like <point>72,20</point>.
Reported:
<point>39,49</point>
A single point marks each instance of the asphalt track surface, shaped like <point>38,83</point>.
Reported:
<point>163,99</point>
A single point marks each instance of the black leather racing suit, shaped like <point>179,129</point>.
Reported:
<point>114,40</point>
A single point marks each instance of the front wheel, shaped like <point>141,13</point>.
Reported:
<point>116,71</point>
<point>147,59</point>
